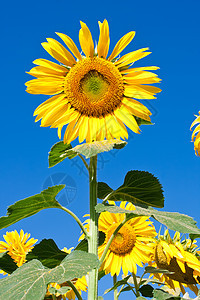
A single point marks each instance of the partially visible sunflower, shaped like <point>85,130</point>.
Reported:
<point>177,257</point>
<point>17,245</point>
<point>196,134</point>
<point>92,93</point>
<point>129,247</point>
<point>79,283</point>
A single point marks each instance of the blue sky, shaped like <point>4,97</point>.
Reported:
<point>171,30</point>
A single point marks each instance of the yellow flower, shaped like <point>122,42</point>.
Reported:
<point>17,245</point>
<point>79,283</point>
<point>129,247</point>
<point>180,259</point>
<point>92,93</point>
<point>196,134</point>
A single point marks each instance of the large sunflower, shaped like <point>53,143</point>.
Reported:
<point>177,257</point>
<point>92,93</point>
<point>17,245</point>
<point>196,135</point>
<point>129,247</point>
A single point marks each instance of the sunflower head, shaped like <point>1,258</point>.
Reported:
<point>196,134</point>
<point>179,258</point>
<point>17,245</point>
<point>92,93</point>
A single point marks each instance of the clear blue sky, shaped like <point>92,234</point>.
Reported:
<point>171,30</point>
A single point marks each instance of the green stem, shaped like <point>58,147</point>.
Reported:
<point>115,289</point>
<point>54,297</point>
<point>76,218</point>
<point>84,161</point>
<point>110,240</point>
<point>72,286</point>
<point>136,285</point>
<point>93,233</point>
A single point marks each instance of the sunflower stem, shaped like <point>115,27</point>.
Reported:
<point>93,233</point>
<point>115,288</point>
<point>76,219</point>
<point>76,292</point>
<point>84,161</point>
<point>136,285</point>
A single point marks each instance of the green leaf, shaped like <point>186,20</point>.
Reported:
<point>140,298</point>
<point>174,221</point>
<point>92,149</point>
<point>83,245</point>
<point>31,279</point>
<point>161,295</point>
<point>146,290</point>
<point>118,283</point>
<point>62,290</point>
<point>143,122</point>
<point>59,152</point>
<point>139,187</point>
<point>194,236</point>
<point>48,253</point>
<point>7,264</point>
<point>153,270</point>
<point>31,205</point>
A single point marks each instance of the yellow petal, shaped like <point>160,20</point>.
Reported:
<point>121,44</point>
<point>43,72</point>
<point>50,65</point>
<point>104,39</point>
<point>86,41</point>
<point>70,44</point>
<point>131,57</point>
<point>123,114</point>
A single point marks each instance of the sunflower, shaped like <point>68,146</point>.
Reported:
<point>79,283</point>
<point>17,245</point>
<point>129,247</point>
<point>177,257</point>
<point>93,94</point>
<point>196,134</point>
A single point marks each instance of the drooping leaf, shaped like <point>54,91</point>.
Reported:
<point>48,253</point>
<point>153,270</point>
<point>139,187</point>
<point>173,220</point>
<point>31,205</point>
<point>31,279</point>
<point>146,290</point>
<point>59,152</point>
<point>92,149</point>
<point>7,264</point>
<point>162,295</point>
<point>118,283</point>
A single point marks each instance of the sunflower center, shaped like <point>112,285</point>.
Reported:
<point>124,240</point>
<point>94,87</point>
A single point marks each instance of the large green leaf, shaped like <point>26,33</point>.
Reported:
<point>31,279</point>
<point>48,253</point>
<point>159,294</point>
<point>7,264</point>
<point>59,152</point>
<point>173,220</point>
<point>138,187</point>
<point>31,205</point>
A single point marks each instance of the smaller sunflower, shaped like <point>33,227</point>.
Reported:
<point>79,283</point>
<point>17,245</point>
<point>177,257</point>
<point>196,134</point>
<point>129,247</point>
